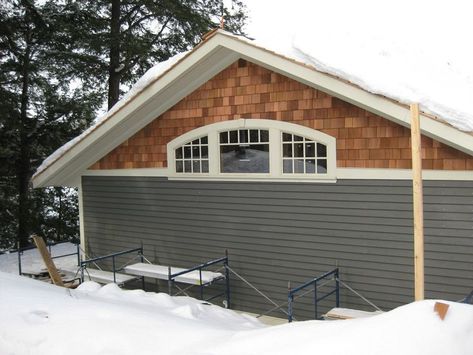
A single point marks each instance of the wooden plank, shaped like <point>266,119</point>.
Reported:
<point>105,277</point>
<point>418,204</point>
<point>347,313</point>
<point>52,270</point>
<point>162,272</point>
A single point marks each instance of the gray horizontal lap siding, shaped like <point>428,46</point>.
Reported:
<point>280,232</point>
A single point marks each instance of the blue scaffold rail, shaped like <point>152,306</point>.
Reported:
<point>49,245</point>
<point>113,256</point>
<point>200,268</point>
<point>315,283</point>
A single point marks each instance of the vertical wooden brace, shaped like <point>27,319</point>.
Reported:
<point>418,203</point>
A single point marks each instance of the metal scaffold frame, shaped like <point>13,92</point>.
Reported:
<point>315,282</point>
<point>200,268</point>
<point>172,278</point>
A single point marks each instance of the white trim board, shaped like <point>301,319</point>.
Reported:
<point>81,218</point>
<point>341,173</point>
<point>217,52</point>
<point>403,174</point>
<point>156,172</point>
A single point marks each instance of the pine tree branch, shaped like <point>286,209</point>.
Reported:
<point>139,22</point>
<point>129,14</point>
<point>132,62</point>
<point>11,46</point>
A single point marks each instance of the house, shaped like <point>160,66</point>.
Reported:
<point>294,171</point>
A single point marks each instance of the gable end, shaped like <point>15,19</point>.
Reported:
<point>247,90</point>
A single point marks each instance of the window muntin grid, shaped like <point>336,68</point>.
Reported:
<point>193,157</point>
<point>244,151</point>
<point>302,155</point>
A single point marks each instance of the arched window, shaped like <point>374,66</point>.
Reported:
<point>254,149</point>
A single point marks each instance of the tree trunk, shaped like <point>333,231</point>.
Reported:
<point>114,72</point>
<point>23,163</point>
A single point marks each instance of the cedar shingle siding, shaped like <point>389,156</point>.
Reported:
<point>246,90</point>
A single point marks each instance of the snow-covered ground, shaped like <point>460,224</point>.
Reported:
<point>39,318</point>
<point>31,261</point>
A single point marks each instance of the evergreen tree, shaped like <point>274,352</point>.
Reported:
<point>121,39</point>
<point>59,61</point>
<point>40,110</point>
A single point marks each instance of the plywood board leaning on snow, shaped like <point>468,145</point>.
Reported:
<point>53,271</point>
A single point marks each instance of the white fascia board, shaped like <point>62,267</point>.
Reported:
<point>376,104</point>
<point>194,70</point>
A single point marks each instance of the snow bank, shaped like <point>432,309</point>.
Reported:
<point>41,318</point>
<point>412,329</point>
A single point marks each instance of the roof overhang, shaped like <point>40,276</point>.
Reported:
<point>214,54</point>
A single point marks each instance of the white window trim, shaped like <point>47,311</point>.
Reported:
<point>275,151</point>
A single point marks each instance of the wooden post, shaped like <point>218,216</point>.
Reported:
<point>418,203</point>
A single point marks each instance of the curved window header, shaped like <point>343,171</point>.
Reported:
<point>253,149</point>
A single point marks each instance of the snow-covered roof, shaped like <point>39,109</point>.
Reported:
<point>439,90</point>
<point>400,90</point>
